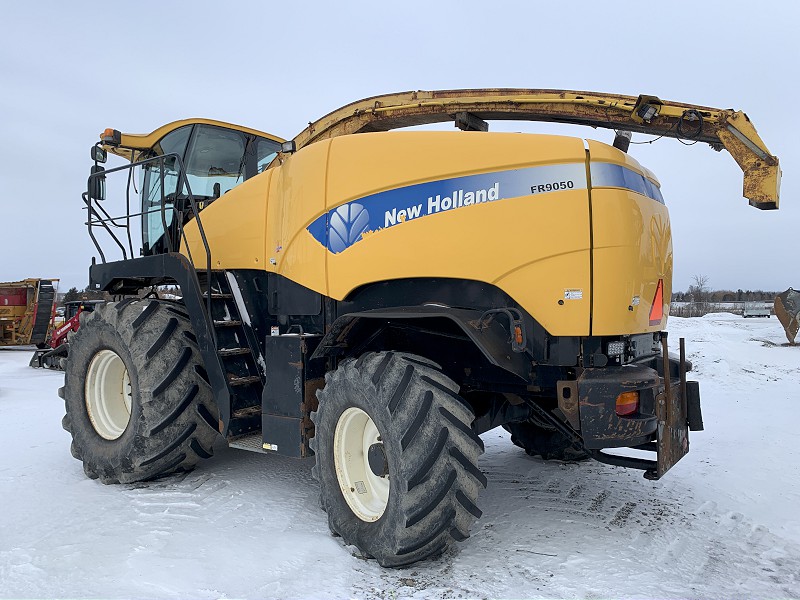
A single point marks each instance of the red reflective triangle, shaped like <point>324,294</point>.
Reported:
<point>657,310</point>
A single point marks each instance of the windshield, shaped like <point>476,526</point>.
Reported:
<point>216,156</point>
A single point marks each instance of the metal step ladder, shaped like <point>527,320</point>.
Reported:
<point>236,348</point>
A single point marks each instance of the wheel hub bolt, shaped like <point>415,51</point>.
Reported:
<point>376,457</point>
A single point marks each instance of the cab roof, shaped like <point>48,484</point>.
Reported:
<point>138,142</point>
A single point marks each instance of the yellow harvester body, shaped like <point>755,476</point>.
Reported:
<point>582,254</point>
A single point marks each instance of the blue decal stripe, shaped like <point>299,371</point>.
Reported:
<point>609,175</point>
<point>343,226</point>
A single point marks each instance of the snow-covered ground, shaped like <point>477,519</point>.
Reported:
<point>723,523</point>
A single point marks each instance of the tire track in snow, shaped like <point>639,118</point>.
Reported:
<point>562,515</point>
<point>579,493</point>
<point>182,497</point>
<point>579,530</point>
<point>728,552</point>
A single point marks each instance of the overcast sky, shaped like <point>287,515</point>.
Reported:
<point>68,70</point>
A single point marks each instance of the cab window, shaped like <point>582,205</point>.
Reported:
<point>174,142</point>
<point>266,151</point>
<point>152,182</point>
<point>216,156</point>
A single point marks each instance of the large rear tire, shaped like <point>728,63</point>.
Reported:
<point>396,457</point>
<point>545,441</point>
<point>138,404</point>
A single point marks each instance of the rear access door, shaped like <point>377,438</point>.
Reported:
<point>632,245</point>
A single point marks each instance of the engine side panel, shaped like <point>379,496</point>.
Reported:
<point>505,209</point>
<point>632,245</point>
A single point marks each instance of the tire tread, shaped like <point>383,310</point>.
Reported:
<point>172,446</point>
<point>162,339</point>
<point>434,475</point>
<point>174,424</point>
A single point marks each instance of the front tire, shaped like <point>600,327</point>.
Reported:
<point>138,404</point>
<point>396,457</point>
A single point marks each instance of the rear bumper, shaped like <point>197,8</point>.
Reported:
<point>667,411</point>
<point>598,389</point>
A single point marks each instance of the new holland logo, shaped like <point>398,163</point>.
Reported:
<point>347,224</point>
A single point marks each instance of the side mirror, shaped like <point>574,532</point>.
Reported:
<point>99,154</point>
<point>97,183</point>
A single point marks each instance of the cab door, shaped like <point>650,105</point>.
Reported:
<point>160,181</point>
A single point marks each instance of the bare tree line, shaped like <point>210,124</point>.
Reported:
<point>700,299</point>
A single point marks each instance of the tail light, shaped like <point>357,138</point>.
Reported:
<point>627,403</point>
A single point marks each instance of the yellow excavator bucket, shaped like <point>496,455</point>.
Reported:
<point>787,309</point>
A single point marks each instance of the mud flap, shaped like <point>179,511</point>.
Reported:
<point>673,435</point>
<point>672,442</point>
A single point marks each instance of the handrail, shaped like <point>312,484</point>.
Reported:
<point>163,205</point>
<point>128,209</point>
<point>98,216</point>
<point>89,222</point>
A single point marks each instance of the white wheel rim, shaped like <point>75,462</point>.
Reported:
<point>108,394</point>
<point>366,493</point>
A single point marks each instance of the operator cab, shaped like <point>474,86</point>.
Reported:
<point>216,159</point>
<point>199,158</point>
